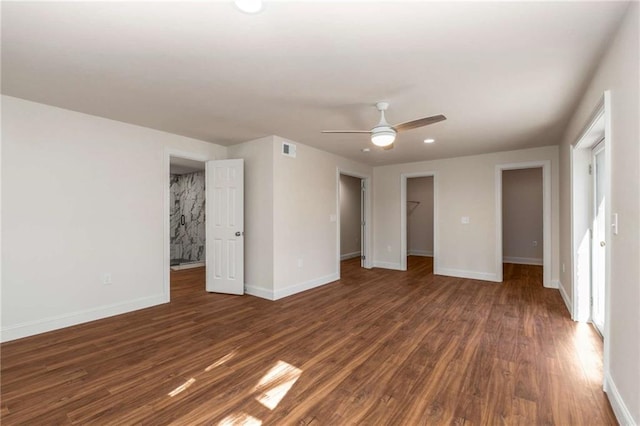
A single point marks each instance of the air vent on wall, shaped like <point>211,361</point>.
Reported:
<point>288,149</point>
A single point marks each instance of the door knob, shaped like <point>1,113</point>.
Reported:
<point>238,233</point>
<point>602,244</point>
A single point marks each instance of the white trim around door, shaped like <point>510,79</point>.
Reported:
<point>598,128</point>
<point>546,216</point>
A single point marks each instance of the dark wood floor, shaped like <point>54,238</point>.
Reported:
<point>376,347</point>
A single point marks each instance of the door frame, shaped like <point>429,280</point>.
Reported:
<point>366,206</point>
<point>403,218</point>
<point>546,217</point>
<point>599,147</point>
<point>166,239</point>
<point>598,127</point>
<point>582,191</point>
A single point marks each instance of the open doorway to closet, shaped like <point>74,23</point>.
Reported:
<point>350,218</point>
<point>418,221</point>
<point>522,223</point>
<point>522,188</point>
<point>353,236</point>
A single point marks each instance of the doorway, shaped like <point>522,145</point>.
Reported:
<point>590,219</point>
<point>420,224</point>
<point>522,221</point>
<point>219,250</point>
<point>187,231</point>
<point>351,219</point>
<point>589,177</point>
<point>418,203</point>
<point>187,227</point>
<point>545,166</point>
<point>353,207</point>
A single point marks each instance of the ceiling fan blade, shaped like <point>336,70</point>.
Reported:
<point>346,131</point>
<point>388,147</point>
<point>419,123</point>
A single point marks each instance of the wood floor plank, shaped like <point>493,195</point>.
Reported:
<point>376,347</point>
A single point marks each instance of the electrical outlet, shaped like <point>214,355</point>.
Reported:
<point>388,249</point>
<point>300,263</point>
<point>106,279</point>
<point>535,244</point>
<point>465,220</point>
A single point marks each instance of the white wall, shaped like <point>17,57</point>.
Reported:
<point>258,213</point>
<point>350,230</point>
<point>291,238</point>
<point>522,222</point>
<point>305,202</point>
<point>420,216</point>
<point>82,196</point>
<point>617,72</point>
<point>466,187</point>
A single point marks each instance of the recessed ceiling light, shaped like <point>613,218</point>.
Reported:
<point>365,149</point>
<point>249,6</point>
<point>429,140</point>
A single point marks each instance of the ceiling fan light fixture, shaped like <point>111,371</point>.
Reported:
<point>384,134</point>
<point>383,137</point>
<point>249,6</point>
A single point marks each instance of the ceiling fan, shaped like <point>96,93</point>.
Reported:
<point>384,134</point>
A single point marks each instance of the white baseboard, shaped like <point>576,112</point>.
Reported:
<point>308,285</point>
<point>522,260</point>
<point>350,255</point>
<point>261,292</point>
<point>567,302</point>
<point>387,265</point>
<point>269,294</point>
<point>425,253</point>
<point>552,284</point>
<point>623,415</point>
<point>474,275</point>
<point>31,328</point>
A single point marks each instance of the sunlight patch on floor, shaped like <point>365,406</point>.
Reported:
<point>586,354</point>
<point>222,360</point>
<point>238,419</point>
<point>274,385</point>
<point>182,387</point>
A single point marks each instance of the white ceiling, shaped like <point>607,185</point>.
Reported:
<point>505,74</point>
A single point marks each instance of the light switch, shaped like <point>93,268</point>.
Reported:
<point>465,220</point>
<point>614,224</point>
<point>333,218</point>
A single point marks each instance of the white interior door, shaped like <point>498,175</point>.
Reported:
<point>225,226</point>
<point>598,241</point>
